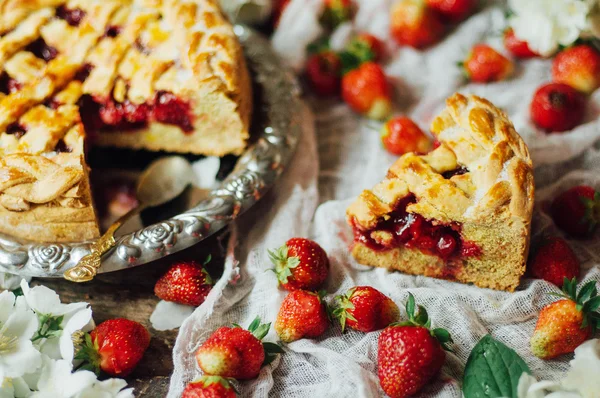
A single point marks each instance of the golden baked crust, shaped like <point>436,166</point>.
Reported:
<point>492,198</point>
<point>108,65</point>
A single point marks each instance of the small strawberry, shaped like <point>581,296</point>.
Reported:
<point>554,261</point>
<point>279,7</point>
<point>337,12</point>
<point>410,354</point>
<point>365,309</point>
<point>579,67</point>
<point>563,325</point>
<point>484,64</point>
<point>302,315</point>
<point>115,347</point>
<point>367,91</point>
<point>557,107</point>
<point>185,283</point>
<point>300,264</point>
<point>577,211</point>
<point>516,46</point>
<point>324,71</point>
<point>209,387</point>
<point>235,352</point>
<point>414,24</point>
<point>367,47</point>
<point>453,10</point>
<point>401,135</point>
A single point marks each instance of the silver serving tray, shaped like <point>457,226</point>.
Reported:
<point>278,113</point>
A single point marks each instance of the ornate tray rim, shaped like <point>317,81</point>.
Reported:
<point>254,174</point>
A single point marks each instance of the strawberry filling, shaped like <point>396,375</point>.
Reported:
<point>456,172</point>
<point>40,49</point>
<point>415,232</point>
<point>16,129</point>
<point>72,16</point>
<point>109,115</point>
<point>8,85</point>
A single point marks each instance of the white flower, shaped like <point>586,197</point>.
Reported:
<point>45,301</point>
<point>17,326</point>
<point>58,381</point>
<point>111,388</point>
<point>585,370</point>
<point>10,281</point>
<point>529,387</point>
<point>545,25</point>
<point>169,316</point>
<point>60,344</point>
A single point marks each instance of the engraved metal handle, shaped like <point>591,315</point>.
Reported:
<point>87,268</point>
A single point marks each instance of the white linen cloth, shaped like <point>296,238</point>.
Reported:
<point>352,159</point>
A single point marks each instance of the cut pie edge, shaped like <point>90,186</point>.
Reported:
<point>490,205</point>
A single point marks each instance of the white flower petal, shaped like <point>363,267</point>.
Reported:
<point>10,281</point>
<point>21,388</point>
<point>22,324</point>
<point>24,358</point>
<point>57,381</point>
<point>585,368</point>
<point>7,302</point>
<point>45,301</point>
<point>7,389</point>
<point>168,315</point>
<point>107,389</point>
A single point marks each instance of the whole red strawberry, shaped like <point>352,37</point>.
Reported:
<point>367,91</point>
<point>337,12</point>
<point>209,387</point>
<point>579,67</point>
<point>453,10</point>
<point>565,324</point>
<point>367,47</point>
<point>324,71</point>
<point>365,309</point>
<point>414,24</point>
<point>517,47</point>
<point>185,283</point>
<point>300,264</point>
<point>401,135</point>
<point>115,347</point>
<point>302,315</point>
<point>236,352</point>
<point>577,211</point>
<point>557,107</point>
<point>409,354</point>
<point>484,64</point>
<point>554,261</point>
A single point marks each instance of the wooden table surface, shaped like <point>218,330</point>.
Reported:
<point>130,294</point>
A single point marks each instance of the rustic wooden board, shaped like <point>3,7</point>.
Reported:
<point>130,294</point>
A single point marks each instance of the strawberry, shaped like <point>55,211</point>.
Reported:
<point>337,12</point>
<point>563,325</point>
<point>579,67</point>
<point>414,24</point>
<point>367,91</point>
<point>302,315</point>
<point>557,107</point>
<point>235,352</point>
<point>115,347</point>
<point>516,46</point>
<point>185,283</point>
<point>300,264</point>
<point>410,354</point>
<point>365,309</point>
<point>324,71</point>
<point>484,64</point>
<point>401,135</point>
<point>577,211</point>
<point>209,387</point>
<point>453,10</point>
<point>554,261</point>
<point>279,7</point>
<point>367,47</point>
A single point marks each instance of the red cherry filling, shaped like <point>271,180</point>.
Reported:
<point>456,172</point>
<point>8,85</point>
<point>40,49</point>
<point>171,110</point>
<point>112,31</point>
<point>73,16</point>
<point>16,129</point>
<point>414,231</point>
<point>61,147</point>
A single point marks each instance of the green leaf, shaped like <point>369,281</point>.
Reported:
<point>18,292</point>
<point>592,304</point>
<point>587,291</point>
<point>410,306</point>
<point>261,331</point>
<point>493,370</point>
<point>442,335</point>
<point>273,348</point>
<point>255,323</point>
<point>349,61</point>
<point>207,259</point>
<point>422,317</point>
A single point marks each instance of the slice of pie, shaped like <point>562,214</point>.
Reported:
<point>141,74</point>
<point>461,212</point>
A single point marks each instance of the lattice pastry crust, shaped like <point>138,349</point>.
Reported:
<point>170,71</point>
<point>491,198</point>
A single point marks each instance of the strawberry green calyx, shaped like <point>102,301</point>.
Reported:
<point>259,331</point>
<point>592,211</point>
<point>283,263</point>
<point>336,13</point>
<point>344,305</point>
<point>421,319</point>
<point>587,301</point>
<point>208,380</point>
<point>88,353</point>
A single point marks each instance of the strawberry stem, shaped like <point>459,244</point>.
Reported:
<point>283,264</point>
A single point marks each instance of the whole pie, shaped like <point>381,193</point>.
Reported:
<point>141,74</point>
<point>461,212</point>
